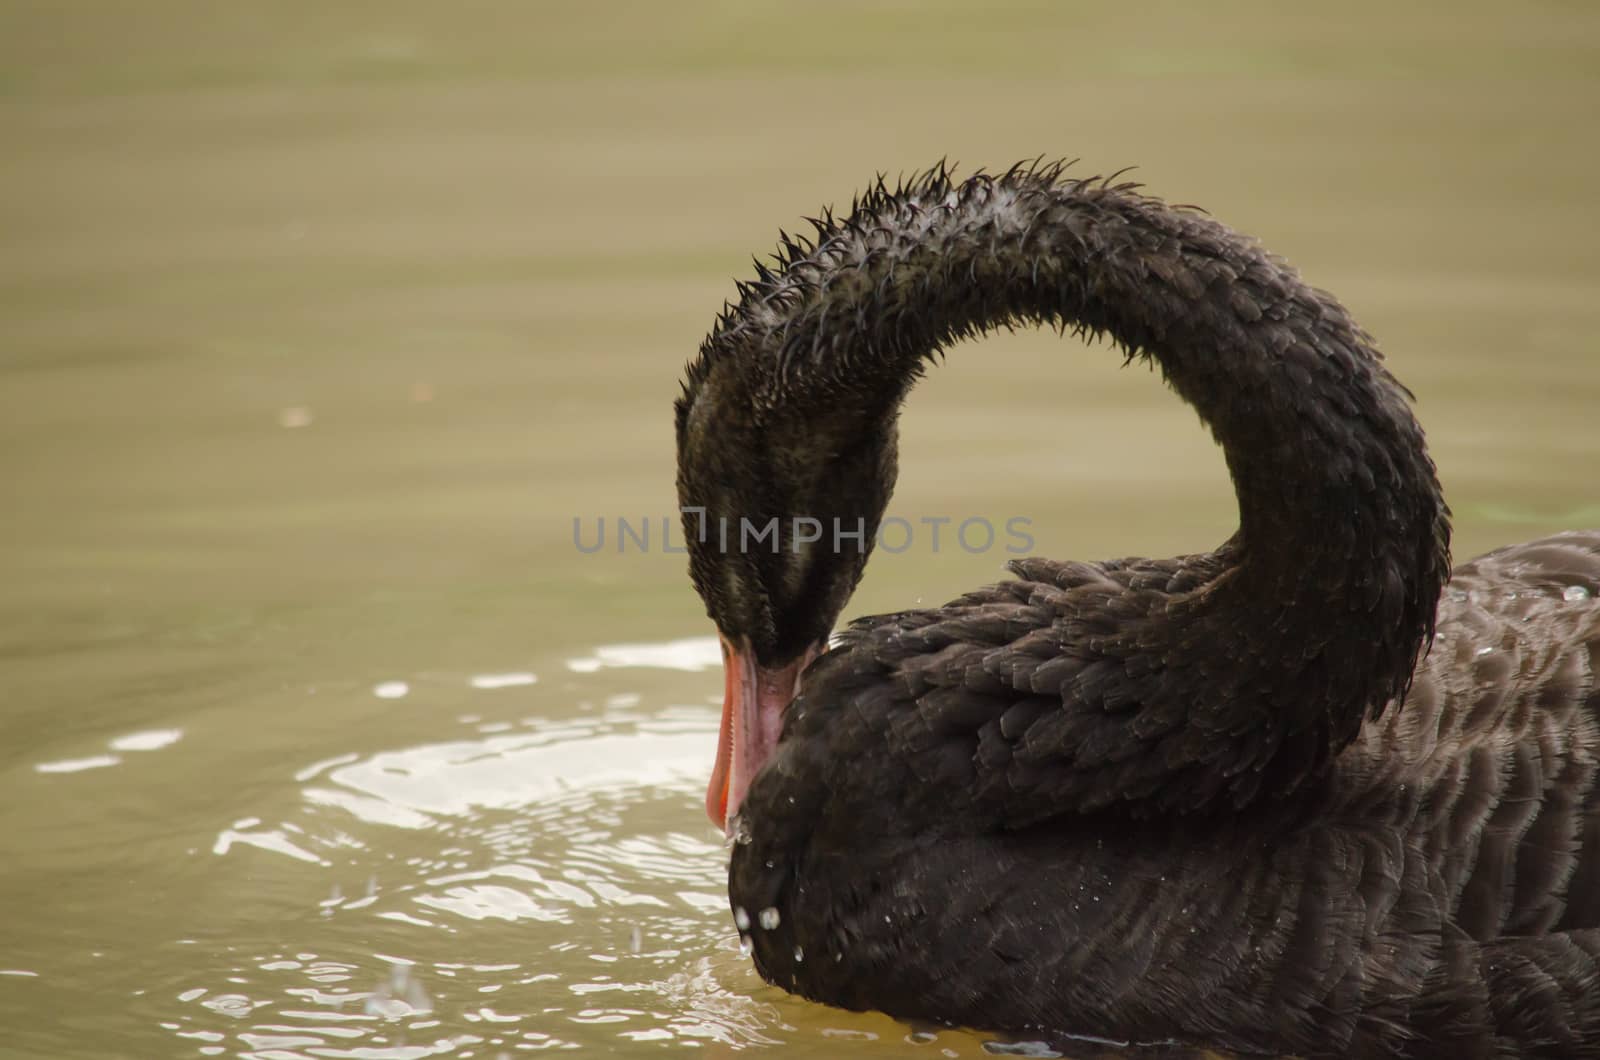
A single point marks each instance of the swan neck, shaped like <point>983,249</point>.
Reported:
<point>1343,539</point>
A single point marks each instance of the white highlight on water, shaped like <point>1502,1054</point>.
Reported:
<point>76,765</point>
<point>272,839</point>
<point>691,654</point>
<point>513,680</point>
<point>149,740</point>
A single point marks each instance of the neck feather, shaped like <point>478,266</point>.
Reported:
<point>1343,541</point>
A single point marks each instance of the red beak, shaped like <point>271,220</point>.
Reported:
<point>753,701</point>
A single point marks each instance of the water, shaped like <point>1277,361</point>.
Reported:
<point>319,326</point>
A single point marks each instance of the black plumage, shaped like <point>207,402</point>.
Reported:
<point>1214,799</point>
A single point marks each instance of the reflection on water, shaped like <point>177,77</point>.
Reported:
<point>693,654</point>
<point>529,882</point>
<point>544,843</point>
<point>152,740</point>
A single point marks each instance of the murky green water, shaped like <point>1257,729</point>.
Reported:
<point>319,324</point>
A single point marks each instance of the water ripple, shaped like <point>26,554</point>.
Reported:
<point>519,884</point>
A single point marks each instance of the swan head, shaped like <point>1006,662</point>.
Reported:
<point>781,502</point>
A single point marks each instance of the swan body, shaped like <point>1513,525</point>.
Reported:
<point>1307,793</point>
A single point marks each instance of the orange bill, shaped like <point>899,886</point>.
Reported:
<point>754,698</point>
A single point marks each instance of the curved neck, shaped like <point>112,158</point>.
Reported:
<point>1343,541</point>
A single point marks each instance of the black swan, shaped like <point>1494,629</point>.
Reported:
<point>1307,793</point>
